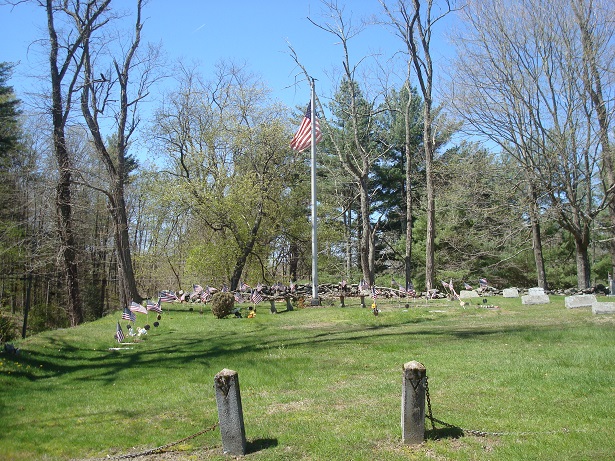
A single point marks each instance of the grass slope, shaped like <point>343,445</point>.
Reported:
<point>320,384</point>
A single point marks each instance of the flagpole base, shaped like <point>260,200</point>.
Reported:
<point>315,302</point>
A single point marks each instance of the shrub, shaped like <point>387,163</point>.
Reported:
<point>8,329</point>
<point>222,304</point>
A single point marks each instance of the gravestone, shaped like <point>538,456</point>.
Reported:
<point>510,293</point>
<point>572,302</point>
<point>603,308</point>
<point>535,295</point>
<point>468,294</point>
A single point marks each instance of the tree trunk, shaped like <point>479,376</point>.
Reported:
<point>367,268</point>
<point>541,273</point>
<point>583,266</point>
<point>64,211</point>
<point>430,238</point>
<point>128,283</point>
<point>408,192</point>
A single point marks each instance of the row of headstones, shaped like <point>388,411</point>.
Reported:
<point>537,295</point>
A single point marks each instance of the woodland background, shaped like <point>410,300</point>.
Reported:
<point>502,169</point>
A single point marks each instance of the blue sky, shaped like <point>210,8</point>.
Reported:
<point>207,31</point>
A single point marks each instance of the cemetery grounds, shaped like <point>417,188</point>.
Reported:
<point>511,382</point>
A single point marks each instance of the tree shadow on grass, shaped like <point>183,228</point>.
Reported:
<point>260,444</point>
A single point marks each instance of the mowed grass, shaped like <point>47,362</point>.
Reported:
<point>320,384</point>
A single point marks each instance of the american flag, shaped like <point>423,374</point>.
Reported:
<point>445,285</point>
<point>129,315</point>
<point>467,286</point>
<point>206,294</point>
<point>166,297</point>
<point>244,286</point>
<point>238,297</point>
<point>483,283</point>
<point>256,297</point>
<point>410,289</point>
<point>293,286</point>
<point>375,292</point>
<point>363,285</point>
<point>197,288</point>
<point>303,137</point>
<point>136,307</point>
<point>154,307</point>
<point>119,334</point>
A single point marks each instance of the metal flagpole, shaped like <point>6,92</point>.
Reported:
<point>315,300</point>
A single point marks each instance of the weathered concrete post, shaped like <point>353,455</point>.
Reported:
<point>342,301</point>
<point>230,412</point>
<point>413,403</point>
<point>273,309</point>
<point>289,305</point>
<point>362,300</point>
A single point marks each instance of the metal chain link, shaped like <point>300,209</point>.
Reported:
<point>473,431</point>
<point>161,448</point>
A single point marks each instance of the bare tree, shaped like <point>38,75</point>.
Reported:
<point>596,35</point>
<point>65,63</point>
<point>414,26</point>
<point>358,156</point>
<point>96,98</point>
<point>518,78</point>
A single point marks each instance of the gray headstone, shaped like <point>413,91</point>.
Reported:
<point>535,299</point>
<point>468,294</point>
<point>536,291</point>
<point>510,293</point>
<point>603,308</point>
<point>572,302</point>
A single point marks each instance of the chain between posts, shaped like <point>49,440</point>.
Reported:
<point>471,431</point>
<point>164,447</point>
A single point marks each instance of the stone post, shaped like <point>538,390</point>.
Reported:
<point>413,403</point>
<point>289,305</point>
<point>273,309</point>
<point>230,412</point>
<point>342,301</point>
<point>362,300</point>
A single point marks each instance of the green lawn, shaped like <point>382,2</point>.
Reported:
<point>320,384</point>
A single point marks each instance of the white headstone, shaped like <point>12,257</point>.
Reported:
<point>572,302</point>
<point>510,293</point>
<point>468,294</point>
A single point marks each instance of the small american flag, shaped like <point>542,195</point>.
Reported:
<point>410,290</point>
<point>136,307</point>
<point>129,315</point>
<point>467,286</point>
<point>483,283</point>
<point>154,307</point>
<point>167,297</point>
<point>119,334</point>
<point>303,137</point>
<point>244,286</point>
<point>256,297</point>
